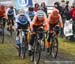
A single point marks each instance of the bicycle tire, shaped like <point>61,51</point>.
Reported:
<point>2,31</point>
<point>24,50</point>
<point>2,34</point>
<point>54,47</point>
<point>19,50</point>
<point>3,37</point>
<point>36,53</point>
<point>10,27</point>
<point>44,40</point>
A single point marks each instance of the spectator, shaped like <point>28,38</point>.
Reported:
<point>63,4</point>
<point>61,10</point>
<point>30,13</point>
<point>43,5</point>
<point>73,18</point>
<point>67,10</point>
<point>73,13</point>
<point>57,6</point>
<point>36,8</point>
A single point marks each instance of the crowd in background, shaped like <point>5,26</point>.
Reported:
<point>67,12</point>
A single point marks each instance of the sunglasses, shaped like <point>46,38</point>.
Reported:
<point>21,15</point>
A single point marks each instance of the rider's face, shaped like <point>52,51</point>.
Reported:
<point>55,14</point>
<point>22,16</point>
<point>40,19</point>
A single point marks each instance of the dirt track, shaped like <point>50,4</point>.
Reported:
<point>46,59</point>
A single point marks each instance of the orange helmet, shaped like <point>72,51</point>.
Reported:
<point>55,12</point>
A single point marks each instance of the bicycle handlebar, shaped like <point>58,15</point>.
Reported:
<point>26,30</point>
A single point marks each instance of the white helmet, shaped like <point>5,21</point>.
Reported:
<point>40,14</point>
<point>22,12</point>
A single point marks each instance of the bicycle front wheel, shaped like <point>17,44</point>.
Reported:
<point>36,54</point>
<point>2,35</point>
<point>54,48</point>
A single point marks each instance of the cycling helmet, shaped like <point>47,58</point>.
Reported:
<point>30,8</point>
<point>40,14</point>
<point>11,6</point>
<point>22,12</point>
<point>55,11</point>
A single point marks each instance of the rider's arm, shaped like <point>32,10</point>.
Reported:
<point>7,11</point>
<point>28,18</point>
<point>14,12</point>
<point>31,26</point>
<point>17,21</point>
<point>60,21</point>
<point>34,19</point>
<point>49,18</point>
<point>46,27</point>
<point>33,22</point>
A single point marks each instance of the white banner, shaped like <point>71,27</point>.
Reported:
<point>68,31</point>
<point>22,4</point>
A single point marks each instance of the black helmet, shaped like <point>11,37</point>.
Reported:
<point>11,6</point>
<point>30,8</point>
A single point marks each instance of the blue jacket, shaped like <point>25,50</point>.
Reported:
<point>23,20</point>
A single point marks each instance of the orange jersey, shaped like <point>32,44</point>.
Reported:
<point>36,22</point>
<point>55,19</point>
<point>2,13</point>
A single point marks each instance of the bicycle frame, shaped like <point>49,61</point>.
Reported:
<point>37,48</point>
<point>54,44</point>
<point>23,41</point>
<point>23,33</point>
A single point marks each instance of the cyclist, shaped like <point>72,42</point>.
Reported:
<point>11,16</point>
<point>22,22</point>
<point>39,21</point>
<point>2,13</point>
<point>30,13</point>
<point>54,20</point>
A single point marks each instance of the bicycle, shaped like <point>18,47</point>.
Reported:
<point>2,30</point>
<point>24,43</point>
<point>44,40</point>
<point>54,43</point>
<point>10,25</point>
<point>37,48</point>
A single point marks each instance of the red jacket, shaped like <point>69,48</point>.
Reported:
<point>73,10</point>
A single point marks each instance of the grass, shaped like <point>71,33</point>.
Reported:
<point>67,46</point>
<point>8,53</point>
